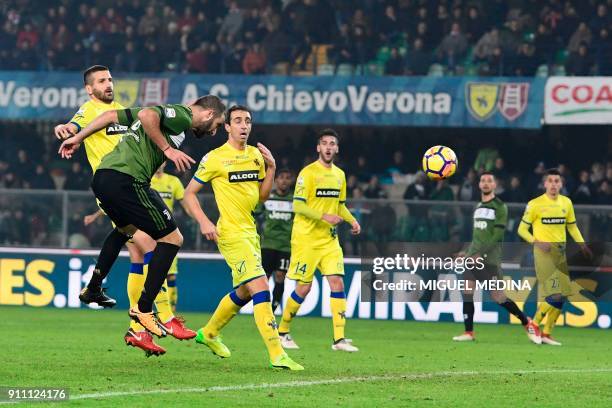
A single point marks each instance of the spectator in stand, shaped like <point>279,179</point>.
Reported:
<point>536,180</point>
<point>233,60</point>
<point>40,179</point>
<point>579,63</point>
<point>418,60</point>
<point>474,25</point>
<point>397,169</point>
<point>395,64</point>
<point>485,159</point>
<point>230,27</point>
<point>468,191</point>
<point>585,192</point>
<point>25,57</point>
<point>150,23</point>
<point>276,44</point>
<point>545,44</point>
<point>388,27</point>
<point>418,190</point>
<point>453,47</point>
<point>442,192</point>
<point>254,61</point>
<point>362,170</point>
<point>499,169</point>
<point>602,50</point>
<point>341,51</point>
<point>127,60</point>
<point>581,36</point>
<point>27,34</point>
<point>601,19</point>
<point>486,45</point>
<point>196,60</point>
<point>78,177</point>
<point>569,23</point>
<point>526,62</point>
<point>515,192</point>
<point>374,189</point>
<point>604,193</point>
<point>511,38</point>
<point>569,182</point>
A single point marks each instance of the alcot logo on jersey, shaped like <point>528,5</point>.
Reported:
<point>244,175</point>
<point>116,129</point>
<point>328,192</point>
<point>484,99</point>
<point>553,220</point>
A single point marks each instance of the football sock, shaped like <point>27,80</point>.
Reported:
<point>162,258</point>
<point>135,281</point>
<point>108,255</point>
<point>468,312</point>
<point>291,308</point>
<point>337,302</point>
<point>172,292</point>
<point>162,304</point>
<point>277,294</point>
<point>226,310</point>
<point>512,308</point>
<point>543,309</point>
<point>266,324</point>
<point>556,305</point>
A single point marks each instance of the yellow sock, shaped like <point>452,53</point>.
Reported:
<point>264,318</point>
<point>551,319</point>
<point>289,311</point>
<point>543,309</point>
<point>162,304</point>
<point>337,302</point>
<point>226,310</point>
<point>172,294</point>
<point>135,282</point>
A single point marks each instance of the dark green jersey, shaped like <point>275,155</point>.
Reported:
<point>490,219</point>
<point>136,154</point>
<point>278,220</point>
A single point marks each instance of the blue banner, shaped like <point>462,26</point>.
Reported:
<point>54,278</point>
<point>335,100</point>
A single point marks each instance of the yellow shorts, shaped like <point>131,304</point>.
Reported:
<point>243,256</point>
<point>552,272</point>
<point>174,267</point>
<point>305,261</point>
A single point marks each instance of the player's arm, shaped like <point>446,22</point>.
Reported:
<point>344,212</point>
<point>193,208</point>
<point>150,119</point>
<point>526,223</point>
<point>70,145</point>
<point>88,219</point>
<point>79,121</point>
<point>572,229</point>
<point>268,181</point>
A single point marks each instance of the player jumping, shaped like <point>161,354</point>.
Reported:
<point>490,220</point>
<point>239,181</point>
<point>276,243</point>
<point>319,206</point>
<point>99,86</point>
<point>122,185</point>
<point>548,216</point>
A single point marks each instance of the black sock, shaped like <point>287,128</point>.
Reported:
<point>277,294</point>
<point>512,307</point>
<point>160,263</point>
<point>108,255</point>
<point>468,312</point>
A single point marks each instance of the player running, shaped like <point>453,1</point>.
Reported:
<point>490,221</point>
<point>239,181</point>
<point>99,86</point>
<point>122,185</point>
<point>548,216</point>
<point>277,212</point>
<point>319,206</point>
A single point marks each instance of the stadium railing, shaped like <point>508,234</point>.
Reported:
<point>54,219</point>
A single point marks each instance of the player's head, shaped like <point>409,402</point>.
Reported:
<point>99,83</point>
<point>160,170</point>
<point>208,115</point>
<point>487,183</point>
<point>238,123</point>
<point>328,145</point>
<point>553,182</point>
<point>283,179</point>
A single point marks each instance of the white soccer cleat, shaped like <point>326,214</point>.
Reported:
<point>546,339</point>
<point>533,332</point>
<point>344,345</point>
<point>467,336</point>
<point>288,343</point>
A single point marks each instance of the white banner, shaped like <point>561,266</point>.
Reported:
<point>578,100</point>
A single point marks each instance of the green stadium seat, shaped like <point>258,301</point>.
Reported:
<point>542,71</point>
<point>436,70</point>
<point>345,70</point>
<point>325,69</point>
<point>559,70</point>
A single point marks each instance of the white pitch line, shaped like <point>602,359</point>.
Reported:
<point>332,381</point>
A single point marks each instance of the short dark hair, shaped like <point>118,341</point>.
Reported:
<point>212,102</point>
<point>553,172</point>
<point>327,132</point>
<point>91,70</point>
<point>235,108</point>
<point>284,170</point>
<point>488,173</point>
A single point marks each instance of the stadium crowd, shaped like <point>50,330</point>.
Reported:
<point>396,37</point>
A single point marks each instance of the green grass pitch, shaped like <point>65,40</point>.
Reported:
<point>400,364</point>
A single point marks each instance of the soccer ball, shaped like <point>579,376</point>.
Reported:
<point>439,162</point>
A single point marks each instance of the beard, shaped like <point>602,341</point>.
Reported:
<point>101,95</point>
<point>205,129</point>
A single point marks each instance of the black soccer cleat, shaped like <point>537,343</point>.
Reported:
<point>88,296</point>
